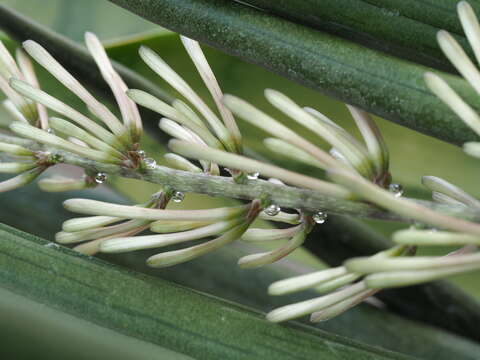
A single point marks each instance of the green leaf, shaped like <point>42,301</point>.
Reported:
<point>221,277</point>
<point>156,311</point>
<point>381,84</point>
<point>387,26</point>
<point>58,335</point>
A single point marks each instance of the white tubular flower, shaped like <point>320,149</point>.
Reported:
<point>449,191</point>
<point>119,139</point>
<point>94,207</point>
<point>416,237</point>
<point>465,66</point>
<point>168,74</point>
<point>385,273</point>
<point>249,165</point>
<point>111,141</point>
<point>20,107</point>
<point>356,155</point>
<point>30,132</point>
<point>20,180</point>
<point>28,72</point>
<point>340,281</point>
<point>181,121</point>
<point>295,235</point>
<point>179,162</point>
<point>114,227</point>
<point>228,224</point>
<point>118,245</point>
<point>92,231</point>
<point>15,167</point>
<point>370,160</point>
<point>60,184</point>
<point>16,150</point>
<point>196,53</point>
<point>128,109</point>
<point>42,56</point>
<point>306,307</point>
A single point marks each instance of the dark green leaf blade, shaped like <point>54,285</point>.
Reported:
<point>381,84</point>
<point>371,25</point>
<point>158,312</point>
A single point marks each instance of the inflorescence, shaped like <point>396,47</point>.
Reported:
<point>209,142</point>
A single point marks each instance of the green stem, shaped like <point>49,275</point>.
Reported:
<point>284,196</point>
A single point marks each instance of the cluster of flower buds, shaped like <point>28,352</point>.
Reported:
<point>465,66</point>
<point>369,160</point>
<point>94,230</point>
<point>201,126</point>
<point>385,272</point>
<point>360,278</point>
<point>75,133</point>
<point>172,227</point>
<point>17,158</point>
<point>340,283</point>
<point>180,120</point>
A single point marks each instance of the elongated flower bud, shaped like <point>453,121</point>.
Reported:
<point>94,207</point>
<point>119,245</point>
<point>20,180</point>
<point>60,184</point>
<point>15,167</point>
<point>15,149</point>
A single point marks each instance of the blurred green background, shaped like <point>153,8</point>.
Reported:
<point>412,154</point>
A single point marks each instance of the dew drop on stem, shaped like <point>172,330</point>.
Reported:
<point>272,210</point>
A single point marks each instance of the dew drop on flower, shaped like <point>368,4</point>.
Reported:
<point>150,163</point>
<point>178,196</point>
<point>141,154</point>
<point>253,176</point>
<point>396,189</point>
<point>320,217</point>
<point>50,131</point>
<point>100,178</point>
<point>272,210</point>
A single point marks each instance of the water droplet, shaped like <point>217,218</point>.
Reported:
<point>178,196</point>
<point>272,210</point>
<point>253,176</point>
<point>100,178</point>
<point>52,245</point>
<point>141,154</point>
<point>337,154</point>
<point>320,217</point>
<point>50,131</point>
<point>276,181</point>
<point>150,163</point>
<point>396,189</point>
